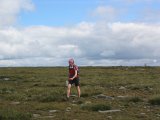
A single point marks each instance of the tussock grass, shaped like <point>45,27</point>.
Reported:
<point>140,87</point>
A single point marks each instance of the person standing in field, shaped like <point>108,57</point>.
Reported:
<point>73,78</point>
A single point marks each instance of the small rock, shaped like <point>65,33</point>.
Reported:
<point>122,88</point>
<point>50,116</point>
<point>66,83</point>
<point>158,115</point>
<point>108,97</point>
<point>109,111</point>
<point>150,89</point>
<point>143,113</point>
<point>145,100</point>
<point>36,115</point>
<point>77,102</point>
<point>15,103</point>
<point>6,79</point>
<point>74,104</point>
<point>46,117</point>
<point>53,111</point>
<point>103,96</point>
<point>126,68</point>
<point>122,97</point>
<point>74,101</point>
<point>148,110</point>
<point>88,102</point>
<point>73,95</point>
<point>142,69</point>
<point>109,117</point>
<point>82,105</point>
<point>68,109</point>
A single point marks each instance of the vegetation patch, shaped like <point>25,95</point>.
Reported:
<point>135,99</point>
<point>140,87</point>
<point>11,114</point>
<point>26,93</point>
<point>6,90</point>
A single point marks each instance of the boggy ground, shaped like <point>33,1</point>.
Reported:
<point>40,93</point>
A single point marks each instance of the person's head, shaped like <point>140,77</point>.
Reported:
<point>71,62</point>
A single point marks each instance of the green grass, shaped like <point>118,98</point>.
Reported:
<point>39,90</point>
<point>11,114</point>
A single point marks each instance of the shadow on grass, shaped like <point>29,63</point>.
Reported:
<point>135,99</point>
<point>155,100</point>
<point>53,97</point>
<point>90,94</point>
<point>96,107</point>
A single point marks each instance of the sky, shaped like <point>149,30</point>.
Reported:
<point>92,32</point>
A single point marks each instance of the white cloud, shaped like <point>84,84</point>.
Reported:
<point>107,13</point>
<point>9,10</point>
<point>134,1</point>
<point>150,15</point>
<point>103,10</point>
<point>100,43</point>
<point>128,10</point>
<point>90,44</point>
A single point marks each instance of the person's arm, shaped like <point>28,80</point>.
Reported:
<point>74,75</point>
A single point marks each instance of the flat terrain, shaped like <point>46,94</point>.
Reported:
<point>108,93</point>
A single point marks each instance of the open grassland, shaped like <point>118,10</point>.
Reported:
<point>40,93</point>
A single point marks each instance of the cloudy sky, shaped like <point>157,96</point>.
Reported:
<point>93,32</point>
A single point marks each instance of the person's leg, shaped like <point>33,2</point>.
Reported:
<point>68,90</point>
<point>78,91</point>
<point>78,86</point>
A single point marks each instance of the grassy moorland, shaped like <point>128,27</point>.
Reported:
<point>40,93</point>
